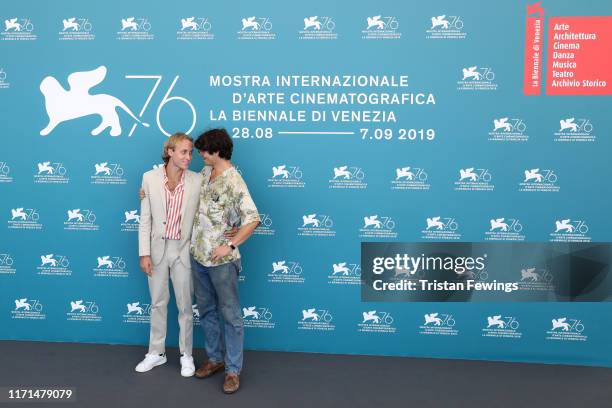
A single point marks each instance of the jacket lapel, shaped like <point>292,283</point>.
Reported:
<point>162,189</point>
<point>186,192</point>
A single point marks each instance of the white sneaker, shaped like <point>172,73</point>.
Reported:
<point>187,366</point>
<point>150,361</point>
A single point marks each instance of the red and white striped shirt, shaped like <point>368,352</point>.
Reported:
<point>174,203</point>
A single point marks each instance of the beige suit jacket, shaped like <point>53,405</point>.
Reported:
<point>153,214</point>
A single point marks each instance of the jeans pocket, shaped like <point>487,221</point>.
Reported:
<point>238,265</point>
<point>192,263</point>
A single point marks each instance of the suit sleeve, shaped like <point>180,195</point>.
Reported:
<point>144,229</point>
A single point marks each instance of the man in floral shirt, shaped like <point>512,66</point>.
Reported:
<point>225,202</point>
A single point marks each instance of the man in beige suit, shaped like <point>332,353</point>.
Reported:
<point>171,196</point>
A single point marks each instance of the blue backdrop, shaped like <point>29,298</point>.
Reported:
<point>315,181</point>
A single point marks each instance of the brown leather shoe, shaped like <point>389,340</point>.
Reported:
<point>231,383</point>
<point>208,369</point>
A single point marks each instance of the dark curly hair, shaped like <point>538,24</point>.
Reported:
<point>216,140</point>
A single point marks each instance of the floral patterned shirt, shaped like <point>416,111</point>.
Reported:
<point>225,202</point>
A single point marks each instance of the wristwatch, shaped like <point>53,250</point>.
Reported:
<point>231,245</point>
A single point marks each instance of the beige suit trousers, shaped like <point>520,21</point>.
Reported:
<point>172,268</point>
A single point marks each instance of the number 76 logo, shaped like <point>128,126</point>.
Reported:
<point>167,98</point>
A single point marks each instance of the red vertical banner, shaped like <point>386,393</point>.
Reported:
<point>534,30</point>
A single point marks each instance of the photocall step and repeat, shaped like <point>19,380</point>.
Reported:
<point>433,178</point>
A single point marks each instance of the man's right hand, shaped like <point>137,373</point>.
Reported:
<point>141,194</point>
<point>146,265</point>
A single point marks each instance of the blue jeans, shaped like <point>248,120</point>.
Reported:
<point>216,291</point>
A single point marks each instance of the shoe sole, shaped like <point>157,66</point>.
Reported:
<point>187,376</point>
<point>156,365</point>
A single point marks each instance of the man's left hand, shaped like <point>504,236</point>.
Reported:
<point>231,233</point>
<point>220,252</point>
